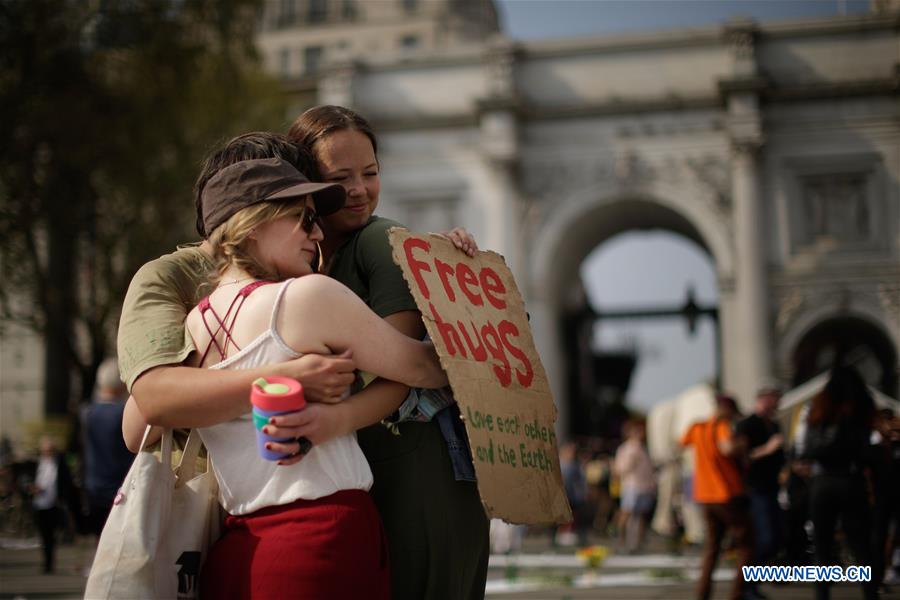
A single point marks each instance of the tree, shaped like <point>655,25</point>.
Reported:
<point>106,110</point>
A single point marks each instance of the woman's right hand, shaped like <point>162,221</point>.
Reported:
<point>462,239</point>
<point>324,378</point>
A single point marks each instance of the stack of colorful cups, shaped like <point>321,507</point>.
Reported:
<point>274,396</point>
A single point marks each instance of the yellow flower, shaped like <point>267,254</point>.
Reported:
<point>593,556</point>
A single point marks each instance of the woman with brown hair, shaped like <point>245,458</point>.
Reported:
<point>436,527</point>
<point>838,433</point>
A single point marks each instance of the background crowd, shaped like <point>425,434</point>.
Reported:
<point>827,492</point>
<point>69,484</point>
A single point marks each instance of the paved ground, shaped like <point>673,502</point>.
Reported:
<point>540,572</point>
<point>653,575</point>
<point>21,576</point>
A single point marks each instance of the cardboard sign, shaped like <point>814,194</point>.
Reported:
<point>476,318</point>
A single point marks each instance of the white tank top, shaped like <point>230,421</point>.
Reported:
<point>247,482</point>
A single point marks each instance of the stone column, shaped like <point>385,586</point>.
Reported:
<point>499,123</point>
<point>504,218</point>
<point>752,326</point>
<point>748,346</point>
<point>545,328</point>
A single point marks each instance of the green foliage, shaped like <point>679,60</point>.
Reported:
<point>107,108</point>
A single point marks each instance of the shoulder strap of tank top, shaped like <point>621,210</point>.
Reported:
<point>223,326</point>
<point>277,304</point>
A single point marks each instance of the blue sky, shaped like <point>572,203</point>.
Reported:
<point>539,19</point>
<point>627,271</point>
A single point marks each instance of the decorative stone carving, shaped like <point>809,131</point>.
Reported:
<point>710,173</point>
<point>548,179</point>
<point>788,306</point>
<point>499,63</point>
<point>835,206</point>
<point>740,35</point>
<point>714,174</point>
<point>742,43</point>
<point>746,134</point>
<point>842,296</point>
<point>632,171</point>
<point>885,7</point>
<point>538,179</point>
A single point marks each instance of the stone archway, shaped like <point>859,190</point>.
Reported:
<point>852,339</point>
<point>587,220</point>
<point>821,336</point>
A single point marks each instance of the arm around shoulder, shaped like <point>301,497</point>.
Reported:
<point>320,313</point>
<point>151,326</point>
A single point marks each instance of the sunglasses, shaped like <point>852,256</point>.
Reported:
<point>309,219</point>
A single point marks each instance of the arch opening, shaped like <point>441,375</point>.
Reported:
<point>587,398</point>
<point>588,228</point>
<point>847,339</point>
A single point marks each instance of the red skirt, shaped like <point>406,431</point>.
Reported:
<point>332,548</point>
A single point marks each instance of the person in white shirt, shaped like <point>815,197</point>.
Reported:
<point>50,482</point>
<point>638,485</point>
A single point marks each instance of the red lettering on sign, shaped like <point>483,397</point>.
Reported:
<point>491,283</point>
<point>466,278</point>
<point>492,341</point>
<point>483,343</point>
<point>448,333</point>
<point>527,376</point>
<point>417,266</point>
<point>445,271</point>
<point>479,353</point>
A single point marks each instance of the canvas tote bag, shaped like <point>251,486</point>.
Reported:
<point>159,528</point>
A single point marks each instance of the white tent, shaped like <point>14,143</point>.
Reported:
<point>666,423</point>
<point>669,419</point>
<point>660,440</point>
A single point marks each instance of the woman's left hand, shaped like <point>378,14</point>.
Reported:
<point>462,239</point>
<point>318,423</point>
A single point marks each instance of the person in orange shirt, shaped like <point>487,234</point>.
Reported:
<point>719,488</point>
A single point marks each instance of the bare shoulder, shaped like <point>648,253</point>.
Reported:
<point>193,319</point>
<point>320,288</point>
<point>320,295</point>
<point>322,306</point>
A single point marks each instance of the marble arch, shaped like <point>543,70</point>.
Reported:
<point>545,149</point>
<point>588,218</point>
<point>743,137</point>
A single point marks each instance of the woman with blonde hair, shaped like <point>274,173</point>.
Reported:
<point>304,527</point>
